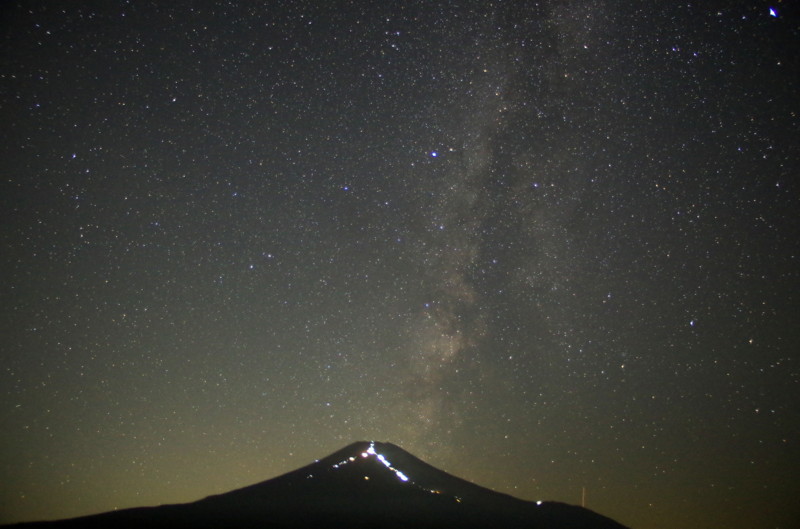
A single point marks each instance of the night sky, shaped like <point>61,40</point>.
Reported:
<point>542,246</point>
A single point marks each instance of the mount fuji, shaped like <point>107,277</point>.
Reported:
<point>364,485</point>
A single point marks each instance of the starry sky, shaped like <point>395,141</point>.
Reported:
<point>541,245</point>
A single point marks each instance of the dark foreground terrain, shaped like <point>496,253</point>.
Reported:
<point>364,485</point>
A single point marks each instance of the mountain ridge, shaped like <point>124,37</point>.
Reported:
<point>365,484</point>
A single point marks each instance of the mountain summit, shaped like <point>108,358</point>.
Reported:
<point>364,485</point>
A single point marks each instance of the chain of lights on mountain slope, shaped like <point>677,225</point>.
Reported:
<point>371,452</point>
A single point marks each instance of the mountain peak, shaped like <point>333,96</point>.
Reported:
<point>368,450</point>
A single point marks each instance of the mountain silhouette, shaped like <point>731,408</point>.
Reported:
<point>364,485</point>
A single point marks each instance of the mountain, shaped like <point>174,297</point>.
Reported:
<point>364,485</point>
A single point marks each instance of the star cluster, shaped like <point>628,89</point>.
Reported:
<point>545,246</point>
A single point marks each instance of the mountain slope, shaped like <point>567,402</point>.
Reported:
<point>366,484</point>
